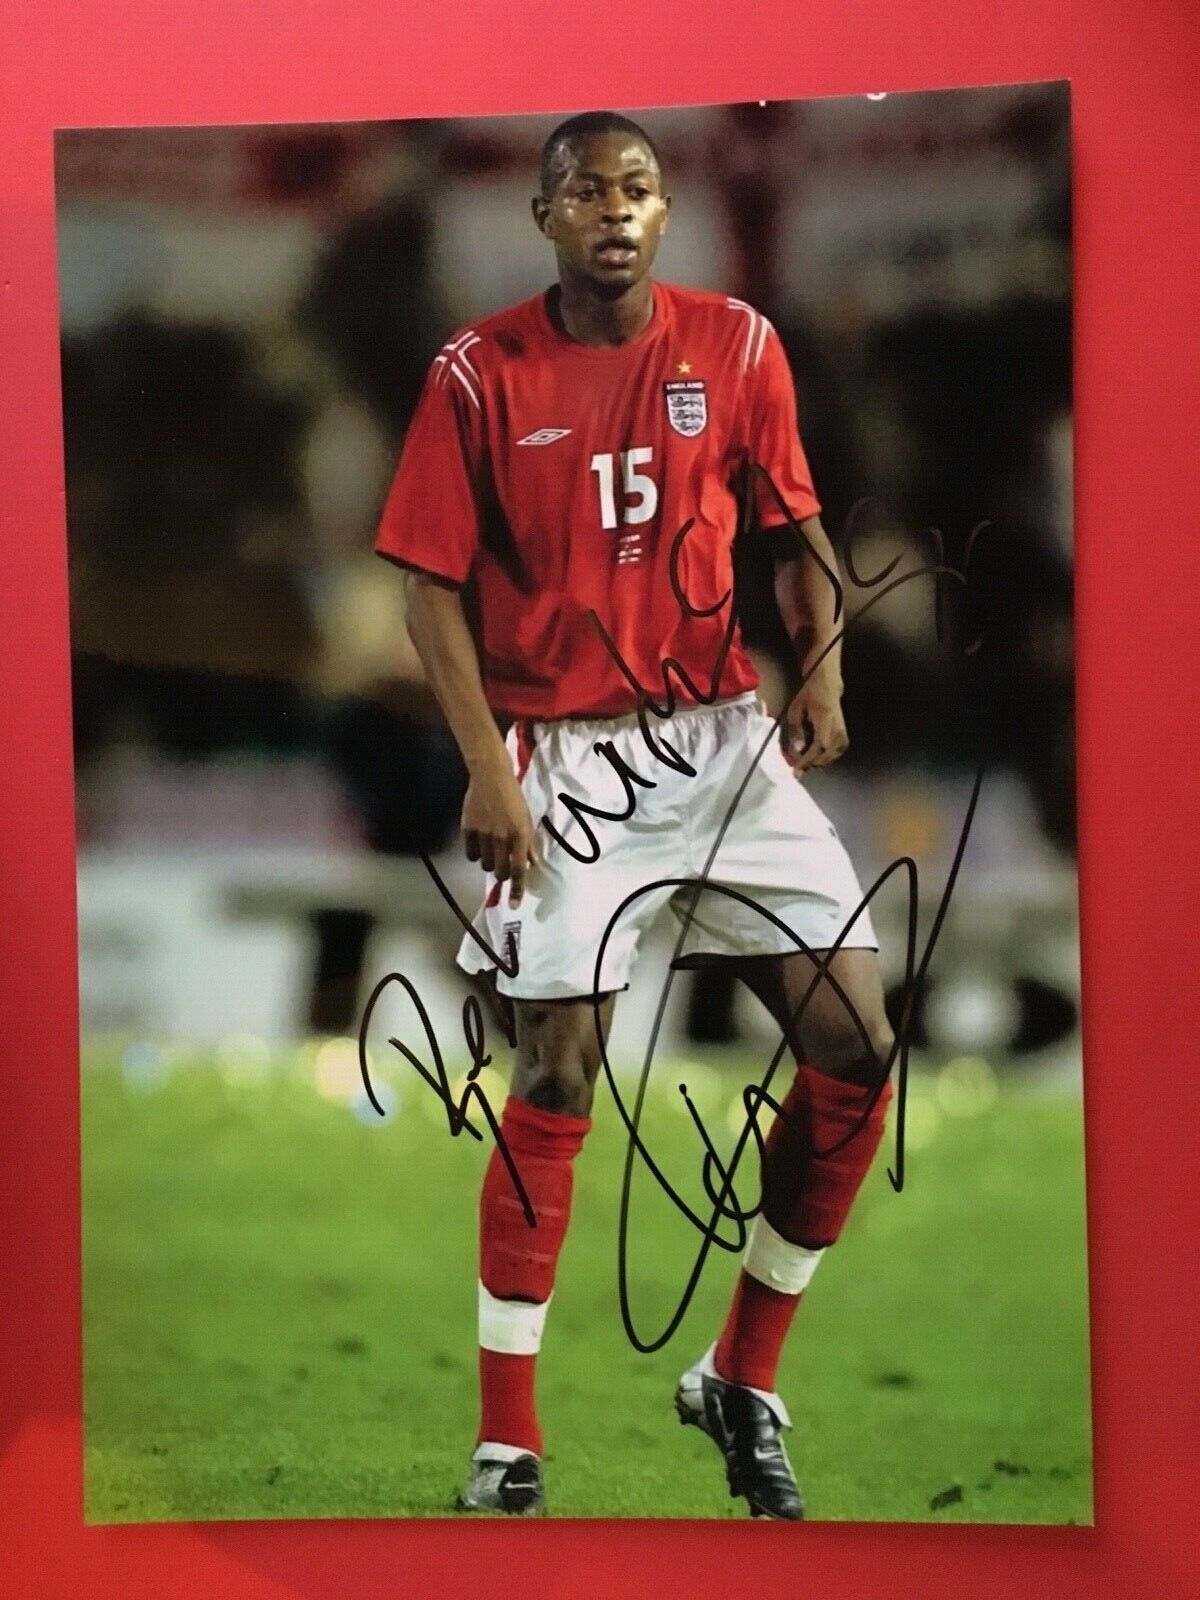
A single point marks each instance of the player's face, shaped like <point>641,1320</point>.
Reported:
<point>607,213</point>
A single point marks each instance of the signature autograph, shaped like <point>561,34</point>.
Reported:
<point>723,1199</point>
<point>647,706</point>
<point>436,1076</point>
<point>717,1176</point>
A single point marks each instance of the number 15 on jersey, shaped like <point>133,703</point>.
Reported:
<point>639,493</point>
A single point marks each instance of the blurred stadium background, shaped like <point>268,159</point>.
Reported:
<point>247,316</point>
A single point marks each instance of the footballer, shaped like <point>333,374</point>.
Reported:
<point>557,450</point>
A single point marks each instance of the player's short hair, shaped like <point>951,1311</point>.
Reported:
<point>563,144</point>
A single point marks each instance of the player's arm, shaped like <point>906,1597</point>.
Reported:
<point>431,526</point>
<point>806,593</point>
<point>807,586</point>
<point>497,827</point>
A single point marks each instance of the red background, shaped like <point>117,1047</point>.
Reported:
<point>1138,390</point>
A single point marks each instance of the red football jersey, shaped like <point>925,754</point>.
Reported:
<point>552,477</point>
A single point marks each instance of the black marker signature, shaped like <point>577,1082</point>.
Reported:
<point>717,1177</point>
<point>437,1079</point>
<point>659,748</point>
<point>914,971</point>
<point>647,705</point>
<point>853,530</point>
<point>724,1201</point>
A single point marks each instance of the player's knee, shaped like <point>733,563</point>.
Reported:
<point>560,1088</point>
<point>857,1048</point>
<point>882,1038</point>
<point>554,1070</point>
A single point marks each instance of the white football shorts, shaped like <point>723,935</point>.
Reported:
<point>776,876</point>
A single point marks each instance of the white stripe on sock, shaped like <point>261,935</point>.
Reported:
<point>513,1327</point>
<point>707,1366</point>
<point>500,1452</point>
<point>784,1267</point>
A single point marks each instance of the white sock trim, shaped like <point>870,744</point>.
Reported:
<point>786,1268</point>
<point>512,1327</point>
<point>706,1366</point>
<point>499,1452</point>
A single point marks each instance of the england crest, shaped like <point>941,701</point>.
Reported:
<point>687,406</point>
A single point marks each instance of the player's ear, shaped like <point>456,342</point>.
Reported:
<point>541,213</point>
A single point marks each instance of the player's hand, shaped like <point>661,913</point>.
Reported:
<point>498,830</point>
<point>814,727</point>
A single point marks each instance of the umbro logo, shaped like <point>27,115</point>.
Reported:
<point>545,436</point>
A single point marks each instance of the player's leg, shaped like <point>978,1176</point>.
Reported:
<point>817,1154</point>
<point>819,1149</point>
<point>778,881</point>
<point>544,1122</point>
<point>576,912</point>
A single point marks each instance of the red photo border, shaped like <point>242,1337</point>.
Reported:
<point>155,62</point>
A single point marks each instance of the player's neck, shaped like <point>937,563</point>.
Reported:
<point>590,320</point>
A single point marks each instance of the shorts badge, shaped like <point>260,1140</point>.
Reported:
<point>687,406</point>
<point>512,946</point>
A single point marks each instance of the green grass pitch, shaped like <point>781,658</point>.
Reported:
<point>279,1305</point>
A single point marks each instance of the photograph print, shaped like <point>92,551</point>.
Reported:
<point>572,663</point>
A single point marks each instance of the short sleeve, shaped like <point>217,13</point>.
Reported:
<point>773,438</point>
<point>431,518</point>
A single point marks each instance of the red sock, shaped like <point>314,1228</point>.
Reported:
<point>806,1200</point>
<point>507,1411</point>
<point>752,1338</point>
<point>807,1194</point>
<point>517,1263</point>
